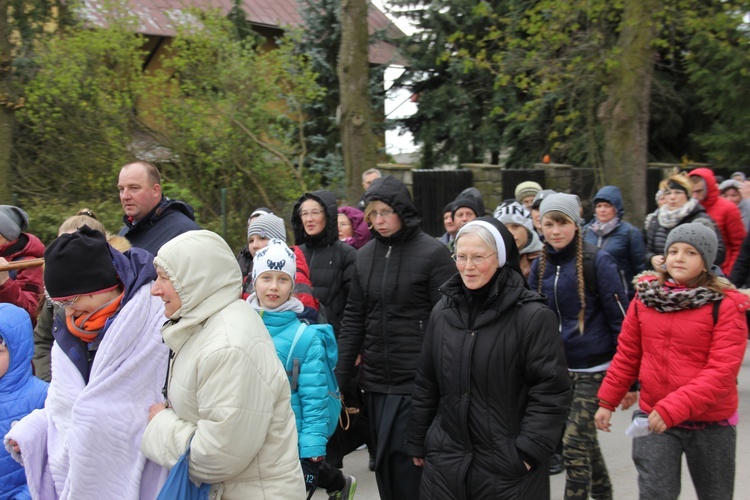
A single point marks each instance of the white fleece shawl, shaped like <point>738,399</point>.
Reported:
<point>85,443</point>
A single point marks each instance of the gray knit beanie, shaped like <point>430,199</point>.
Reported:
<point>13,221</point>
<point>540,196</point>
<point>698,235</point>
<point>267,226</point>
<point>569,204</point>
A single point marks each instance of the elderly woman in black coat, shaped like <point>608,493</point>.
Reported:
<point>492,390</point>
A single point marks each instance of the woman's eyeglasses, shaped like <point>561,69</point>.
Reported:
<point>311,213</point>
<point>64,303</point>
<point>383,214</point>
<point>475,259</point>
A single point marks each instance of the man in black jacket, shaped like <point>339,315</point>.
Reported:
<point>151,219</point>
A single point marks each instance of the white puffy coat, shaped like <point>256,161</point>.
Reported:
<point>227,387</point>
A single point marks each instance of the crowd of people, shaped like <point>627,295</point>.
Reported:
<point>472,365</point>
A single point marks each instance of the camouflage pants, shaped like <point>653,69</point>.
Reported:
<point>584,464</point>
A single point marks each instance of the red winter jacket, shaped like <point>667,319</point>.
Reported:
<point>687,366</point>
<point>26,286</point>
<point>727,217</point>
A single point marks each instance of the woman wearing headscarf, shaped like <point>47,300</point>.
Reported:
<point>352,227</point>
<point>393,290</point>
<point>620,239</point>
<point>492,393</point>
<point>228,397</point>
<point>331,261</point>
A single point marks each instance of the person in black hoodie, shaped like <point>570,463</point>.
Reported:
<point>492,392</point>
<point>393,290</point>
<point>331,264</point>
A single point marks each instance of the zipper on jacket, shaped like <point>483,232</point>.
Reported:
<point>383,316</point>
<point>557,302</point>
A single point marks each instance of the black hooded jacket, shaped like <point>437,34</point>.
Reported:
<point>393,290</point>
<point>492,391</point>
<point>331,261</point>
<point>168,219</point>
<point>656,234</point>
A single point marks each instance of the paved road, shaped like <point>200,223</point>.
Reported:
<point>616,448</point>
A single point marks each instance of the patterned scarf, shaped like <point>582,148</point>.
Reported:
<point>670,218</point>
<point>674,297</point>
<point>604,228</point>
<point>87,327</point>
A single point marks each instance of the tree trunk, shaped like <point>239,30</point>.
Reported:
<point>7,119</point>
<point>625,113</point>
<point>357,139</point>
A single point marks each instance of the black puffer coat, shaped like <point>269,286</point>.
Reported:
<point>656,234</point>
<point>394,288</point>
<point>331,261</point>
<point>491,392</point>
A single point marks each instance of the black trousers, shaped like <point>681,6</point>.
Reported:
<point>397,476</point>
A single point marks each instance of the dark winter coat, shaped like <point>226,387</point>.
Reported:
<point>492,391</point>
<point>740,276</point>
<point>393,290</point>
<point>26,286</point>
<point>656,234</point>
<point>134,268</point>
<point>20,393</point>
<point>624,243</point>
<point>168,219</point>
<point>605,310</point>
<point>331,261</point>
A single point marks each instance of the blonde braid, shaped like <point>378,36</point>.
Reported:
<point>581,284</point>
<point>541,268</point>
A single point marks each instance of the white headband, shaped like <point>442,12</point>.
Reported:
<point>499,243</point>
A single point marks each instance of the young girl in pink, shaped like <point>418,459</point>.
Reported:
<point>684,338</point>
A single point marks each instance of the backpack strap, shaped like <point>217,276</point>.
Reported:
<point>589,268</point>
<point>715,311</point>
<point>297,351</point>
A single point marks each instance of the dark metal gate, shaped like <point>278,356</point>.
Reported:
<point>433,189</point>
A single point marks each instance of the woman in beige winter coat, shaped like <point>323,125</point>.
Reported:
<point>226,388</point>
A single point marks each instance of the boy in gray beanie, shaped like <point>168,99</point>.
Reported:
<point>697,235</point>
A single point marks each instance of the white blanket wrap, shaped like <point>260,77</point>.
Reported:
<point>85,443</point>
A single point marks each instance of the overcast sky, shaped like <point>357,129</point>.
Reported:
<point>398,103</point>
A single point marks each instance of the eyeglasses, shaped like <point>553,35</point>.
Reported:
<point>383,214</point>
<point>64,303</point>
<point>312,213</point>
<point>475,259</point>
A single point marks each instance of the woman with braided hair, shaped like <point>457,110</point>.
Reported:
<point>583,288</point>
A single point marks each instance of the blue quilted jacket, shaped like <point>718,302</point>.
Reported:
<point>603,316</point>
<point>20,393</point>
<point>309,402</point>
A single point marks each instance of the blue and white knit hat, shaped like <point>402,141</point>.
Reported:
<point>276,256</point>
